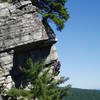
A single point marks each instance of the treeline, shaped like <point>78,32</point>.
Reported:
<point>83,94</point>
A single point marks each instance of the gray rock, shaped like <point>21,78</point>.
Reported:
<point>19,26</point>
<point>1,98</point>
<point>23,35</point>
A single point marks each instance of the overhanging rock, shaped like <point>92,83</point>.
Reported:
<point>20,26</point>
<point>22,35</point>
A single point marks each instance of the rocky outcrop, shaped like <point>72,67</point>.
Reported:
<point>19,25</point>
<point>22,35</point>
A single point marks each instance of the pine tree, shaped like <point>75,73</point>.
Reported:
<point>54,10</point>
<point>43,85</point>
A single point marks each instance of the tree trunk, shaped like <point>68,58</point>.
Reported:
<point>48,29</point>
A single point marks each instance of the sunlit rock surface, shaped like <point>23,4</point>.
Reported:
<point>22,35</point>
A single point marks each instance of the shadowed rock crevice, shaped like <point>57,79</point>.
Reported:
<point>20,58</point>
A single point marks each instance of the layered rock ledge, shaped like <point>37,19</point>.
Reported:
<point>23,35</point>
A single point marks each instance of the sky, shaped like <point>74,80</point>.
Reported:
<point>78,44</point>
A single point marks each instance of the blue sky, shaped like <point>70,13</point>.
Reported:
<point>78,44</point>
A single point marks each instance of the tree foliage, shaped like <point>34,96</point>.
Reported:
<point>43,84</point>
<point>83,94</point>
<point>54,10</point>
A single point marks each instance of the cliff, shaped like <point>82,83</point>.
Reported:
<point>22,35</point>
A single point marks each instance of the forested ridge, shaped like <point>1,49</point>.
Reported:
<point>83,94</point>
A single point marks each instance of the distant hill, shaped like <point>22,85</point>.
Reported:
<point>83,94</point>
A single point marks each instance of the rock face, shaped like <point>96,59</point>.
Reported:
<point>22,35</point>
<point>19,26</point>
